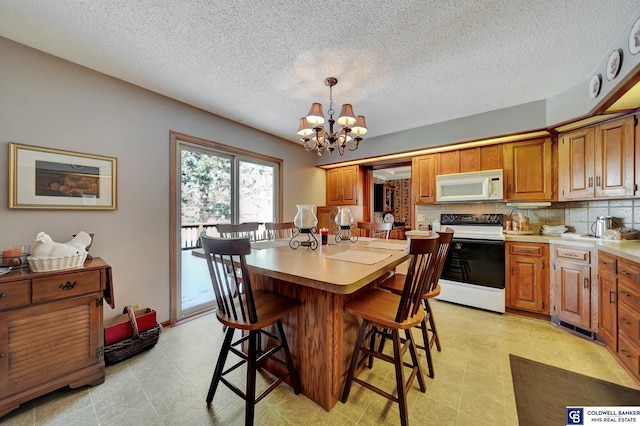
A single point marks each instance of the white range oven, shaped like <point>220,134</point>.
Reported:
<point>474,272</point>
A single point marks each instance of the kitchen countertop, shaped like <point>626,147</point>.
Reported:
<point>628,249</point>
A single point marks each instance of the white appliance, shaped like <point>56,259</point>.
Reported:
<point>472,186</point>
<point>474,274</point>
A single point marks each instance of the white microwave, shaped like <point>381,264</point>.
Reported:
<point>485,185</point>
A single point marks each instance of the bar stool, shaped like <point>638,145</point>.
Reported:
<point>251,311</point>
<point>375,230</point>
<point>428,324</point>
<point>385,314</point>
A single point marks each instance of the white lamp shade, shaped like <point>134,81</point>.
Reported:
<point>304,128</point>
<point>360,128</point>
<point>346,117</point>
<point>315,116</point>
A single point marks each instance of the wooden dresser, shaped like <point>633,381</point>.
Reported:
<point>51,330</point>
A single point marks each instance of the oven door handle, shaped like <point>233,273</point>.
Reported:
<point>472,241</point>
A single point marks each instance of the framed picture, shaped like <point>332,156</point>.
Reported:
<point>634,38</point>
<point>46,178</point>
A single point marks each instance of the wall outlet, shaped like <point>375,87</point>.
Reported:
<point>135,306</point>
<point>421,218</point>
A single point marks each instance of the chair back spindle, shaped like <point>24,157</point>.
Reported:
<point>423,253</point>
<point>230,278</point>
<point>277,230</point>
<point>243,230</point>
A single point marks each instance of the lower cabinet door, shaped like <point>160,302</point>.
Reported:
<point>573,298</point>
<point>43,343</point>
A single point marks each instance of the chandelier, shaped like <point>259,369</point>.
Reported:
<point>317,138</point>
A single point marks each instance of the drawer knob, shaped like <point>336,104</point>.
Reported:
<point>2,295</point>
<point>68,285</point>
<point>623,272</point>
<point>1,354</point>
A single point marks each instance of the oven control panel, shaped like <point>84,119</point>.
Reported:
<point>471,219</point>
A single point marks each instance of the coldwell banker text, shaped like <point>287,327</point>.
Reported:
<point>599,415</point>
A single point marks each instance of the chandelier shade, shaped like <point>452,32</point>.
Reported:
<point>316,138</point>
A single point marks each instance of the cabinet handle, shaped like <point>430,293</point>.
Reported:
<point>2,295</point>
<point>586,283</point>
<point>598,181</point>
<point>623,272</point>
<point>611,293</point>
<point>625,353</point>
<point>590,182</point>
<point>624,293</point>
<point>68,285</point>
<point>624,321</point>
<point>602,262</point>
<point>1,354</point>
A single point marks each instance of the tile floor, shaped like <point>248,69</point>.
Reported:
<point>167,385</point>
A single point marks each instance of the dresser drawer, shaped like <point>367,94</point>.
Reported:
<point>629,294</point>
<point>607,263</point>
<point>67,285</point>
<point>529,249</point>
<point>14,294</point>
<point>629,354</point>
<point>573,253</point>
<point>629,272</point>
<point>629,322</point>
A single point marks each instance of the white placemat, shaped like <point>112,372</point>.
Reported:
<point>259,245</point>
<point>357,256</point>
<point>388,245</point>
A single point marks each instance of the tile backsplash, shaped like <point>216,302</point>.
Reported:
<point>577,216</point>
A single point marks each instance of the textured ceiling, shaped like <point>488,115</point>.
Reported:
<point>402,63</point>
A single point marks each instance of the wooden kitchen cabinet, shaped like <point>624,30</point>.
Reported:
<point>608,299</point>
<point>470,160</point>
<point>51,331</point>
<point>571,289</point>
<point>423,179</point>
<point>528,170</point>
<point>527,276</point>
<point>597,161</point>
<point>345,186</point>
<point>629,315</point>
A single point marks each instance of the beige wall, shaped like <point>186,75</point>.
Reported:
<point>46,101</point>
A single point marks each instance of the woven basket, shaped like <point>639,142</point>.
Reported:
<point>138,342</point>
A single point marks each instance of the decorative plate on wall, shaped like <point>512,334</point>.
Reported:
<point>594,86</point>
<point>388,218</point>
<point>634,38</point>
<point>614,63</point>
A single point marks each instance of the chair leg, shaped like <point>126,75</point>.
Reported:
<point>222,358</point>
<point>354,362</point>
<point>250,402</point>
<point>414,357</point>
<point>400,386</point>
<point>432,324</point>
<point>427,346</point>
<point>293,373</point>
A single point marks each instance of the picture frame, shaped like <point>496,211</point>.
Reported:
<point>634,38</point>
<point>47,178</point>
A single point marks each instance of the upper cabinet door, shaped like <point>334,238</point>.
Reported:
<point>527,170</point>
<point>344,186</point>
<point>423,179</point>
<point>576,178</point>
<point>614,158</point>
<point>597,162</point>
<point>448,162</point>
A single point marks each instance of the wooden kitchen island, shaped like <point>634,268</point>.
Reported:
<point>321,335</point>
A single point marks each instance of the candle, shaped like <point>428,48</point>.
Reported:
<point>8,253</point>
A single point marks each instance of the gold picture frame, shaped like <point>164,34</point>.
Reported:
<point>47,178</point>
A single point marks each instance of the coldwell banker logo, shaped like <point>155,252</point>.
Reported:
<point>574,416</point>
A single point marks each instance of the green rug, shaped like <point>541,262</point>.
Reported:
<point>543,392</point>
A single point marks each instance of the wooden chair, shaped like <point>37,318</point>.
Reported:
<point>396,282</point>
<point>385,314</point>
<point>239,307</point>
<point>375,230</point>
<point>277,230</point>
<point>243,230</point>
